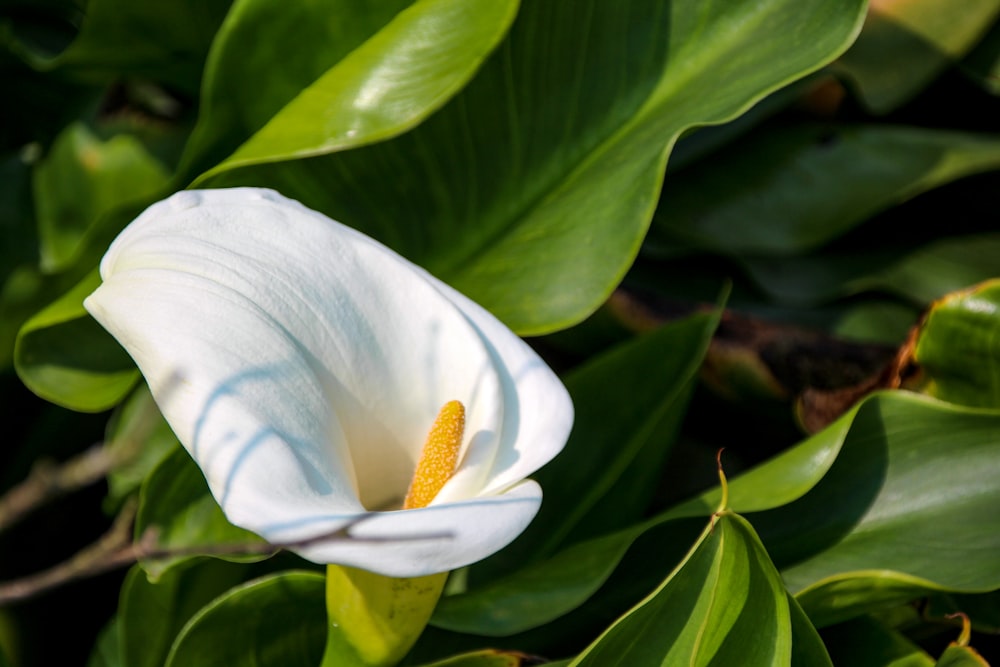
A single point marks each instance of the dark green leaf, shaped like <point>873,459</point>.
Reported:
<point>163,41</point>
<point>275,621</point>
<point>175,499</point>
<point>152,614</point>
<point>864,642</point>
<point>107,650</point>
<point>139,438</point>
<point>791,188</point>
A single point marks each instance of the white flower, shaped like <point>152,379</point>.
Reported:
<point>302,363</point>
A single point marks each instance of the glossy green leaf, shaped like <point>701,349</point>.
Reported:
<point>569,156</point>
<point>906,43</point>
<point>389,83</point>
<point>957,350</point>
<point>81,179</point>
<point>152,614</point>
<point>163,41</point>
<point>788,189</point>
<point>335,75</point>
<point>864,642</point>
<point>139,438</point>
<point>175,500</point>
<point>63,355</point>
<point>275,621</point>
<point>724,605</point>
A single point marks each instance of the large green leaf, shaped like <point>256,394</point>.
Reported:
<point>275,621</point>
<point>64,356</point>
<point>913,481</point>
<point>175,500</point>
<point>152,614</point>
<point>531,190</point>
<point>333,75</point>
<point>788,189</point>
<point>957,350</point>
<point>724,605</point>
<point>906,43</point>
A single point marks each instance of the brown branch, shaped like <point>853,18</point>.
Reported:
<point>48,481</point>
<point>115,549</point>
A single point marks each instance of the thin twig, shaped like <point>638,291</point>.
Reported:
<point>115,549</point>
<point>48,481</point>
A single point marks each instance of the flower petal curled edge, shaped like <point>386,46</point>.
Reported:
<point>301,363</point>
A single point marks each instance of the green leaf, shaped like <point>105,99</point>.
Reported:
<point>64,356</point>
<point>163,41</point>
<point>81,179</point>
<point>569,156</point>
<point>335,75</point>
<point>139,438</point>
<point>904,45</point>
<point>175,500</point>
<point>960,656</point>
<point>956,347</point>
<point>864,642</point>
<point>724,605</point>
<point>389,83</point>
<point>275,621</point>
<point>864,510</point>
<point>919,275</point>
<point>788,189</point>
<point>107,649</point>
<point>808,649</point>
<point>152,614</point>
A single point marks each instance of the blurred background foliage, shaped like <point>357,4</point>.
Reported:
<point>767,227</point>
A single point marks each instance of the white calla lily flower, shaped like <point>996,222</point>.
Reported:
<point>302,363</point>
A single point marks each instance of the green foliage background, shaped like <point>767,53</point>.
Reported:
<point>718,221</point>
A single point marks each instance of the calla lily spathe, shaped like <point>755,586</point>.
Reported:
<point>301,364</point>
